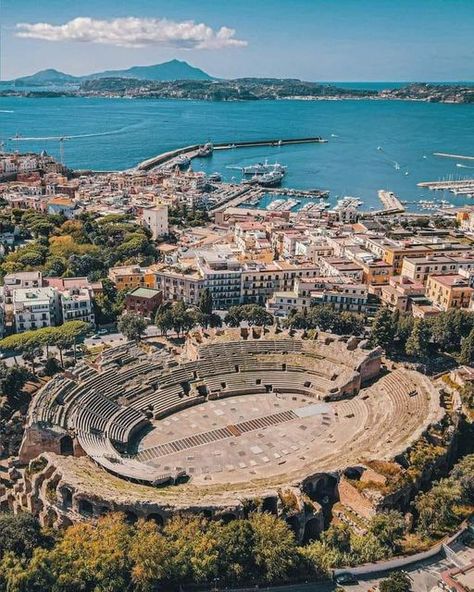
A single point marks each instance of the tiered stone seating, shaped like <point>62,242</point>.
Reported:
<point>108,404</point>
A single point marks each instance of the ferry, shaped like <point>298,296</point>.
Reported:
<point>263,168</point>
<point>271,179</point>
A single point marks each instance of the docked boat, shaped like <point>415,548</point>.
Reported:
<point>215,177</point>
<point>205,150</point>
<point>272,179</point>
<point>262,168</point>
<point>183,161</point>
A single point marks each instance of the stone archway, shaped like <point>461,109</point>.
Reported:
<point>312,529</point>
<point>130,517</point>
<point>66,446</point>
<point>157,518</point>
<point>86,508</point>
<point>270,505</point>
<point>294,523</point>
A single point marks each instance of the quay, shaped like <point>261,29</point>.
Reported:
<point>390,202</point>
<point>453,186</point>
<point>192,151</point>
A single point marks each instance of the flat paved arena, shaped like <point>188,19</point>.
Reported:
<point>267,435</point>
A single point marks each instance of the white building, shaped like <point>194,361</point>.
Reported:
<point>19,280</point>
<point>156,219</point>
<point>76,305</point>
<point>35,308</point>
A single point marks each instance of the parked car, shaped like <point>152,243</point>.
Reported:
<point>345,579</point>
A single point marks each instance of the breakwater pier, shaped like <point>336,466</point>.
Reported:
<point>192,151</point>
<point>390,202</point>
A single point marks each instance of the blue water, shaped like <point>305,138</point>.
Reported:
<point>114,134</point>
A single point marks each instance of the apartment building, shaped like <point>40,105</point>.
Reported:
<point>20,279</point>
<point>401,293</point>
<point>340,294</point>
<point>35,308</point>
<point>338,266</point>
<point>449,291</point>
<point>156,220</point>
<point>260,281</point>
<point>128,277</point>
<point>419,268</point>
<point>76,305</point>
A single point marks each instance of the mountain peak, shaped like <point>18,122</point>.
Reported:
<point>166,71</point>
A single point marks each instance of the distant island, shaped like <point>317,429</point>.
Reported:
<point>179,80</point>
<point>172,70</point>
<point>248,89</point>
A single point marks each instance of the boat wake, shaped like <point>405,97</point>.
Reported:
<point>115,132</point>
<point>464,166</point>
<point>6,111</point>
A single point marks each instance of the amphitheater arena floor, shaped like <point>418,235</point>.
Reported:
<point>265,436</point>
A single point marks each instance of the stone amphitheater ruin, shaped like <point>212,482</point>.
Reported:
<point>239,420</point>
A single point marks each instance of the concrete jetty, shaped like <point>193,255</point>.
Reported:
<point>193,150</point>
<point>391,203</point>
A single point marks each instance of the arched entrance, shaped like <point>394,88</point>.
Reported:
<point>66,447</point>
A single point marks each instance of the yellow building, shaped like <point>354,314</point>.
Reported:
<point>129,277</point>
<point>449,291</point>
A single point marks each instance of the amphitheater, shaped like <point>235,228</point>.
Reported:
<point>236,416</point>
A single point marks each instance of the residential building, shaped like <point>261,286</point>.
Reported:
<point>419,268</point>
<point>156,220</point>
<point>128,277</point>
<point>449,291</point>
<point>76,305</point>
<point>35,308</point>
<point>339,266</point>
<point>21,279</point>
<point>143,301</point>
<point>62,205</point>
<point>401,292</point>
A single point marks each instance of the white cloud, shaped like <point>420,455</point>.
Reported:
<point>134,32</point>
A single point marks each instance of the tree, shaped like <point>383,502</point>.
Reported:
<point>348,323</point>
<point>12,380</point>
<point>436,508</point>
<point>418,342</point>
<point>397,581</point>
<point>164,319</point>
<point>253,314</point>
<point>236,542</point>
<point>132,326</point>
<point>463,474</point>
<point>467,349</point>
<point>389,528</point>
<point>275,552</point>
<point>383,329</point>
<point>30,353</point>
<point>20,534</point>
<point>205,302</point>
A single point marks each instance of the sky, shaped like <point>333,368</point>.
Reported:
<point>317,40</point>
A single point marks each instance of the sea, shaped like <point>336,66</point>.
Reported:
<point>372,144</point>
